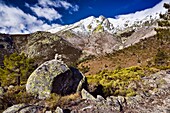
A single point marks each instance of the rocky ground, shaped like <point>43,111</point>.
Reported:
<point>155,98</point>
<point>133,80</point>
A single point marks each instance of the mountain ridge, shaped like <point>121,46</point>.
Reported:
<point>112,25</point>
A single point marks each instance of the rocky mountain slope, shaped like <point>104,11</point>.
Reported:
<point>70,45</point>
<point>90,36</point>
<point>73,47</point>
<point>6,46</point>
<point>41,46</point>
<point>121,32</point>
<point>126,71</point>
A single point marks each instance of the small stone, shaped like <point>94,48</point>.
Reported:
<point>73,111</point>
<point>121,99</point>
<point>138,97</point>
<point>168,71</point>
<point>132,85</point>
<point>114,99</point>
<point>100,98</point>
<point>10,87</point>
<point>86,95</point>
<point>109,101</point>
<point>48,112</point>
<point>59,110</point>
<point>88,107</point>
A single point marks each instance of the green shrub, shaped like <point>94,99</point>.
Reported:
<point>160,58</point>
<point>16,70</point>
<point>85,59</point>
<point>53,101</point>
<point>116,82</point>
<point>163,33</point>
<point>164,23</point>
<point>16,95</point>
<point>57,100</point>
<point>84,69</point>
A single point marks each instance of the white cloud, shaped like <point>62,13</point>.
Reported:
<point>58,4</point>
<point>46,3</point>
<point>13,20</point>
<point>45,8</point>
<point>65,4</point>
<point>48,13</point>
<point>75,8</point>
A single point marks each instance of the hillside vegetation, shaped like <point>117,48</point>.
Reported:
<point>135,76</point>
<point>116,71</point>
<point>144,53</point>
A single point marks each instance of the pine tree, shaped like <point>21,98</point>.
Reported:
<point>16,69</point>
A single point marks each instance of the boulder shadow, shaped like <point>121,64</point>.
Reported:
<point>67,83</point>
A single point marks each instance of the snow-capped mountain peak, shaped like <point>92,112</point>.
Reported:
<point>139,17</point>
<point>112,25</point>
<point>87,25</point>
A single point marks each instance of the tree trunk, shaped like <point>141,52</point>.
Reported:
<point>18,80</point>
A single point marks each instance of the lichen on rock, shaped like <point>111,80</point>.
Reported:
<point>54,77</point>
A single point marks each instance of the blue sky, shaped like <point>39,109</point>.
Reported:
<point>41,14</point>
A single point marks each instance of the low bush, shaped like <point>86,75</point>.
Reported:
<point>57,100</point>
<point>164,23</point>
<point>84,69</point>
<point>160,58</point>
<point>116,82</point>
<point>16,95</point>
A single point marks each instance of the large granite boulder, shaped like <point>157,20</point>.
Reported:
<point>54,77</point>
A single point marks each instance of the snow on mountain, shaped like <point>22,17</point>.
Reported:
<point>87,25</point>
<point>139,17</point>
<point>111,25</point>
<point>79,24</point>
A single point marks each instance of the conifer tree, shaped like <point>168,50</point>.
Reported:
<point>16,69</point>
